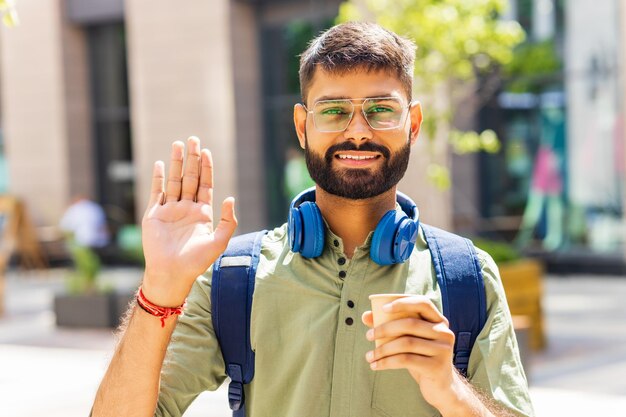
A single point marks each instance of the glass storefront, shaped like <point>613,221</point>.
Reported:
<point>562,166</point>
<point>282,44</point>
<point>111,122</point>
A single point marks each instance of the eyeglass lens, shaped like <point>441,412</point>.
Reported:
<point>335,115</point>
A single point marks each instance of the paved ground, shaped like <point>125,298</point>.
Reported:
<point>46,371</point>
<point>582,371</point>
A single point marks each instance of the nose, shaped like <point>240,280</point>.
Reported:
<point>358,129</point>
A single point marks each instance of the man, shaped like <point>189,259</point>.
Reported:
<point>85,221</point>
<point>356,123</point>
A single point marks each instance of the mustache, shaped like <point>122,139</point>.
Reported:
<point>350,146</point>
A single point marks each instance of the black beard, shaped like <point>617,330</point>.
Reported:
<point>357,183</point>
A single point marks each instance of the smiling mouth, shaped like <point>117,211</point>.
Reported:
<point>349,157</point>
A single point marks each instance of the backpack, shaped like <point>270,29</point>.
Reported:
<point>456,267</point>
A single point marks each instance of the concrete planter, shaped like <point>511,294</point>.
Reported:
<point>523,284</point>
<point>90,310</point>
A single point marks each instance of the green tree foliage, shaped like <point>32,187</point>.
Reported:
<point>457,40</point>
<point>8,13</point>
<point>534,64</point>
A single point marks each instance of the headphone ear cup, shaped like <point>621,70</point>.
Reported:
<point>404,240</point>
<point>312,230</point>
<point>381,249</point>
<point>295,230</point>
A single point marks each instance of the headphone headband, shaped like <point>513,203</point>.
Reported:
<point>306,195</point>
<point>392,242</point>
<point>406,204</point>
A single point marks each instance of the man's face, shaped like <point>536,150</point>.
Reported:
<point>359,162</point>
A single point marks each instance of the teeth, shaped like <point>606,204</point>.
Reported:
<point>355,157</point>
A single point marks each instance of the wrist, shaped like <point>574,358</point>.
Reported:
<point>456,399</point>
<point>163,313</point>
<point>159,290</point>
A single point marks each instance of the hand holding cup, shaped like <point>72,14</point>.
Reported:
<point>412,334</point>
<point>381,316</point>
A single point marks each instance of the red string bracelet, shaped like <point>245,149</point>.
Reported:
<point>158,311</point>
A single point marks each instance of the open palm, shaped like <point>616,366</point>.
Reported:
<point>179,239</point>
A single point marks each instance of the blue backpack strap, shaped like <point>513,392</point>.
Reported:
<point>231,304</point>
<point>462,289</point>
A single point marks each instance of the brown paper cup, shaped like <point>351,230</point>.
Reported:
<point>380,317</point>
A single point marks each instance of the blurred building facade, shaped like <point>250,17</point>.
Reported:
<point>559,177</point>
<point>595,75</point>
<point>94,91</point>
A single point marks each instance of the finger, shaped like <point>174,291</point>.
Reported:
<point>228,222</point>
<point>205,190</point>
<point>413,326</point>
<point>157,184</point>
<point>416,304</point>
<point>401,361</point>
<point>407,344</point>
<point>191,175</point>
<point>174,179</point>
<point>368,319</point>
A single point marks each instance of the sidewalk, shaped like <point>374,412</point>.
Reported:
<point>581,373</point>
<point>53,372</point>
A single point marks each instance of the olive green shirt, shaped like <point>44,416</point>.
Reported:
<point>310,343</point>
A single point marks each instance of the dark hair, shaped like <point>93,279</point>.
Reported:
<point>358,46</point>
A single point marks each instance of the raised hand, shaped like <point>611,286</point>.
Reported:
<point>179,240</point>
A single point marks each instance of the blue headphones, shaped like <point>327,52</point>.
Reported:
<point>392,243</point>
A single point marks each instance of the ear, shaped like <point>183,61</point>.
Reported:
<point>299,121</point>
<point>415,114</point>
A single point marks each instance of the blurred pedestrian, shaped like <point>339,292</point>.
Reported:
<point>546,189</point>
<point>85,223</point>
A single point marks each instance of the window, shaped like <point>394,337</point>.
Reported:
<point>111,122</point>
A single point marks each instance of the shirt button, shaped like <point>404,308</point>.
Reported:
<point>336,242</point>
<point>349,321</point>
<point>341,261</point>
<point>342,274</point>
<point>350,304</point>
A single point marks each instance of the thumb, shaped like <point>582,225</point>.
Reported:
<point>368,319</point>
<point>228,222</point>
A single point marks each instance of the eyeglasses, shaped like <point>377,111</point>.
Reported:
<point>381,113</point>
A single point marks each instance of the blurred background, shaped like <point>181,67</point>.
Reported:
<point>522,150</point>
